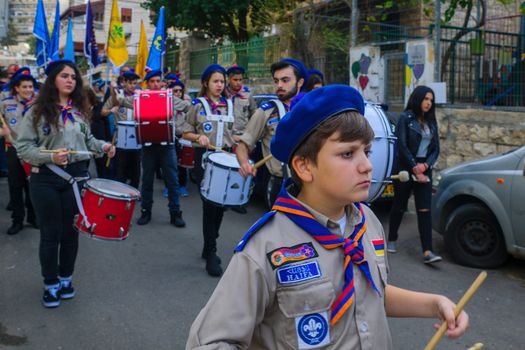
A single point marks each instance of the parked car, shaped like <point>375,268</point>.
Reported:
<point>479,208</point>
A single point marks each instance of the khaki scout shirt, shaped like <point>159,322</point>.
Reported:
<point>13,111</point>
<point>244,106</point>
<point>123,113</point>
<point>74,136</point>
<point>261,126</point>
<point>197,122</point>
<point>251,309</point>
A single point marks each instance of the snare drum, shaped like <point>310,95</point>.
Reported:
<point>222,184</point>
<point>127,135</point>
<point>382,156</point>
<point>109,208</point>
<point>186,156</point>
<point>154,115</point>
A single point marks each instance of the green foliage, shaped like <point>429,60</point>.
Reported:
<point>10,38</point>
<point>237,20</point>
<point>336,40</point>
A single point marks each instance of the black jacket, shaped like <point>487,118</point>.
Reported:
<point>409,135</point>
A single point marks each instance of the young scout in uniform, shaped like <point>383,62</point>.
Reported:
<point>244,104</point>
<point>289,76</point>
<point>312,273</point>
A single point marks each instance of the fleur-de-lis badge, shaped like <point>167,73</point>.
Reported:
<point>312,328</point>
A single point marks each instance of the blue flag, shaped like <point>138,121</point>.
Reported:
<point>55,37</point>
<point>157,48</point>
<point>90,43</point>
<point>41,34</point>
<point>69,51</point>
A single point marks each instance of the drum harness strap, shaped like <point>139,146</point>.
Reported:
<point>281,111</point>
<point>73,181</point>
<point>220,119</point>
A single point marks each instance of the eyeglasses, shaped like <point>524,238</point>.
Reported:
<point>177,90</point>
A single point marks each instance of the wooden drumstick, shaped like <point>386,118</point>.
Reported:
<point>70,151</point>
<point>8,138</point>
<point>476,346</point>
<point>262,161</point>
<point>112,144</point>
<point>459,307</point>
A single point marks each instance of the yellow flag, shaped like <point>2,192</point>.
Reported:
<point>116,49</point>
<point>142,53</point>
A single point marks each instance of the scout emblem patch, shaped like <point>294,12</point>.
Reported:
<point>286,255</point>
<point>298,273</point>
<point>12,121</point>
<point>207,127</point>
<point>379,246</point>
<point>312,331</point>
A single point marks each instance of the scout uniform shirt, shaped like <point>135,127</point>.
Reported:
<point>198,122</point>
<point>261,126</point>
<point>73,134</point>
<point>123,113</point>
<point>261,302</point>
<point>244,106</point>
<point>13,110</point>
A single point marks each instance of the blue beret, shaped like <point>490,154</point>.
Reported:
<point>313,71</point>
<point>130,76</point>
<point>236,69</point>
<point>51,66</point>
<point>21,73</point>
<point>313,109</point>
<point>151,74</point>
<point>210,69</point>
<point>298,65</point>
<point>177,82</point>
<point>171,76</point>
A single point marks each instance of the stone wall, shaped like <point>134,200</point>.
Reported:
<point>469,134</point>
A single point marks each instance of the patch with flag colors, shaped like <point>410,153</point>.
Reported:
<point>286,255</point>
<point>379,246</point>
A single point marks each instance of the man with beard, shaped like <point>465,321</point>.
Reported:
<point>289,75</point>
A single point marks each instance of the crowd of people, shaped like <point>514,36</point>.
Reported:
<point>316,260</point>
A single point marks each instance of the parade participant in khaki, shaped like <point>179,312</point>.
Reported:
<point>244,104</point>
<point>313,272</point>
<point>58,121</point>
<point>13,109</point>
<point>156,155</point>
<point>203,128</point>
<point>288,76</point>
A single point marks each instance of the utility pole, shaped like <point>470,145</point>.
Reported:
<point>437,41</point>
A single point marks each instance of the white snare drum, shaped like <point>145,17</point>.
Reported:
<point>127,135</point>
<point>382,156</point>
<point>222,184</point>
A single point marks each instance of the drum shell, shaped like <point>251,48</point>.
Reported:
<point>186,156</point>
<point>154,116</point>
<point>223,185</point>
<point>109,215</point>
<point>127,136</point>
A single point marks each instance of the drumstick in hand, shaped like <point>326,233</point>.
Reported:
<point>70,151</point>
<point>262,161</point>
<point>112,144</point>
<point>459,307</point>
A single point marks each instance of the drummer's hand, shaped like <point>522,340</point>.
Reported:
<point>4,130</point>
<point>109,149</point>
<point>422,178</point>
<point>60,158</point>
<point>203,140</point>
<point>236,138</point>
<point>247,169</point>
<point>114,109</point>
<point>456,326</point>
<point>420,168</point>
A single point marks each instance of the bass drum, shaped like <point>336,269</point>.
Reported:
<point>382,156</point>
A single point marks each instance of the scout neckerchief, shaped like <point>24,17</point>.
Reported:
<point>215,105</point>
<point>353,247</point>
<point>24,103</point>
<point>65,112</point>
<point>234,94</point>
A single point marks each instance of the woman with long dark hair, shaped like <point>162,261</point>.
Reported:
<point>13,109</point>
<point>55,138</point>
<point>417,152</point>
<point>204,130</point>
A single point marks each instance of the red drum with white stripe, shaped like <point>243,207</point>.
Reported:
<point>154,116</point>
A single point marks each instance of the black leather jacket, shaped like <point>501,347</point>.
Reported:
<point>409,135</point>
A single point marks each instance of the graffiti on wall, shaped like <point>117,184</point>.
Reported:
<point>360,70</point>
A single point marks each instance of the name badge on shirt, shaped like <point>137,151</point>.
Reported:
<point>312,330</point>
<point>10,109</point>
<point>299,273</point>
<point>379,246</point>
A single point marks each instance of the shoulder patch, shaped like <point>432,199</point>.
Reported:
<point>266,106</point>
<point>195,101</point>
<point>253,230</point>
<point>287,255</point>
<point>246,89</point>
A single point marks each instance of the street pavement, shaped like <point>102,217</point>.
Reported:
<point>144,292</point>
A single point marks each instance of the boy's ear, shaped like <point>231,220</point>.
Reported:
<point>302,167</point>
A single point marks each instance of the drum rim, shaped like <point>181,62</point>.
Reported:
<point>222,165</point>
<point>111,195</point>
<point>251,186</point>
<point>129,123</point>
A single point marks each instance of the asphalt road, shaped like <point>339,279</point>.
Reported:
<point>144,293</point>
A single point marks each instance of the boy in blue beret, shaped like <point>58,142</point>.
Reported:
<point>312,273</point>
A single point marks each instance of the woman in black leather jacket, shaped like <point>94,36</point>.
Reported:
<point>417,151</point>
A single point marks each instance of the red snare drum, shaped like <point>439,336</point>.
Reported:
<point>186,156</point>
<point>154,115</point>
<point>109,207</point>
<point>27,168</point>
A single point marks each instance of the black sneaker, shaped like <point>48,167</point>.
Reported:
<point>213,265</point>
<point>51,296</point>
<point>145,217</point>
<point>15,228</point>
<point>205,255</point>
<point>66,289</point>
<point>176,219</point>
<point>431,258</point>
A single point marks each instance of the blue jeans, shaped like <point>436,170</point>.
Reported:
<point>165,157</point>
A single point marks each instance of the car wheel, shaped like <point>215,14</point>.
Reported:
<point>473,237</point>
